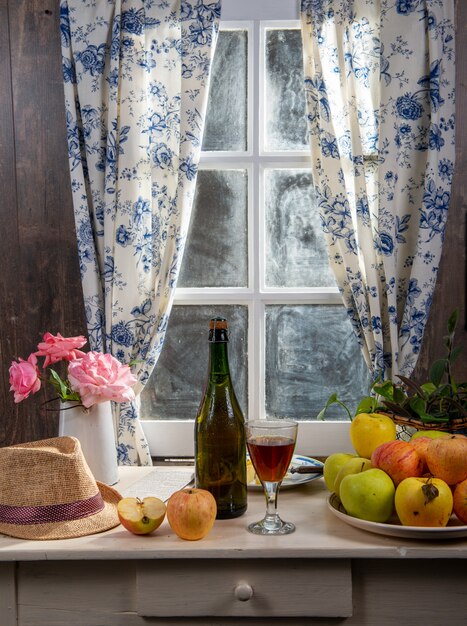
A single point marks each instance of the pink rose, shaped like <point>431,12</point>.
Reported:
<point>99,377</point>
<point>24,378</point>
<point>56,348</point>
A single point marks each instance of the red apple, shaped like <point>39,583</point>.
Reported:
<point>191,513</point>
<point>141,517</point>
<point>423,502</point>
<point>460,501</point>
<point>421,444</point>
<point>399,459</point>
<point>447,458</point>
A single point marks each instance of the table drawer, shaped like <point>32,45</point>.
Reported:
<point>247,587</point>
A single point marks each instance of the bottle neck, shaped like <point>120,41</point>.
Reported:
<point>218,359</point>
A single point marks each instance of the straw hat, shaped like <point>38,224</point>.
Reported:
<point>47,491</point>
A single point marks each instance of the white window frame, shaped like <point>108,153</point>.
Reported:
<point>170,438</point>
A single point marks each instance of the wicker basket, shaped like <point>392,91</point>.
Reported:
<point>453,426</point>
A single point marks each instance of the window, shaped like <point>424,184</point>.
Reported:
<point>255,252</point>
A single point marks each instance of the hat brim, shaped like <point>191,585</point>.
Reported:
<point>98,523</point>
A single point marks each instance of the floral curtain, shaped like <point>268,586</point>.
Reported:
<point>135,77</point>
<point>379,79</point>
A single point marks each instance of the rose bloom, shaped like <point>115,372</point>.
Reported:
<point>55,348</point>
<point>99,377</point>
<point>24,378</point>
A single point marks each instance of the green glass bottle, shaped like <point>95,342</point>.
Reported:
<point>220,449</point>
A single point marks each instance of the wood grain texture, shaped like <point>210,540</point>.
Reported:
<point>8,594</point>
<point>39,267</point>
<point>42,289</point>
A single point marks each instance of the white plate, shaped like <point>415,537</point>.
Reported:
<point>292,480</point>
<point>453,530</point>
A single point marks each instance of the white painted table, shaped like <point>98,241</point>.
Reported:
<point>325,573</point>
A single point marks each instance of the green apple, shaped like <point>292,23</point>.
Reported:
<point>353,466</point>
<point>368,495</point>
<point>433,434</point>
<point>332,465</point>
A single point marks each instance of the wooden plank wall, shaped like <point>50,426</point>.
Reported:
<point>40,285</point>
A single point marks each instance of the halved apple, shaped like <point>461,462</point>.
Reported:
<point>141,517</point>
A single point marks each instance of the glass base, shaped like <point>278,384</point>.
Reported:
<point>281,528</point>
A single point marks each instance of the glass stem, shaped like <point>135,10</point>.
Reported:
<point>271,521</point>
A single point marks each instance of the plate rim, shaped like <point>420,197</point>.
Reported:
<point>394,530</point>
<point>305,478</point>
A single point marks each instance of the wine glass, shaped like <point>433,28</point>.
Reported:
<point>271,445</point>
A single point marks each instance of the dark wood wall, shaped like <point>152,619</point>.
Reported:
<point>38,260</point>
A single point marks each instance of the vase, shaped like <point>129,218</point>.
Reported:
<point>94,428</point>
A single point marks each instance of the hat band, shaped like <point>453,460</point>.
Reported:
<point>51,513</point>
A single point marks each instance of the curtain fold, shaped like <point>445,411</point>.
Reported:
<point>136,77</point>
<point>379,81</point>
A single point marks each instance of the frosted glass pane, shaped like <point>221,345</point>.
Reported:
<point>176,386</point>
<point>226,117</point>
<point>296,254</point>
<point>311,352</point>
<point>284,91</point>
<point>216,253</point>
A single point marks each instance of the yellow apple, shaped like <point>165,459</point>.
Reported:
<point>141,517</point>
<point>191,513</point>
<point>369,430</point>
<point>332,465</point>
<point>424,502</point>
<point>354,465</point>
<point>368,495</point>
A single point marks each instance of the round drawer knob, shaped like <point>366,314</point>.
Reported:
<point>243,592</point>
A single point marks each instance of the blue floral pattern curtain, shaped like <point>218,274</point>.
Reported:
<point>379,79</point>
<point>136,77</point>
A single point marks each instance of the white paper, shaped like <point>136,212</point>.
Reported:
<point>160,482</point>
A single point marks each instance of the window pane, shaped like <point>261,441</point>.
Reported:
<point>216,253</point>
<point>311,352</point>
<point>226,117</point>
<point>296,254</point>
<point>284,91</point>
<point>176,386</point>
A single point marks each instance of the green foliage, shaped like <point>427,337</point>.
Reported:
<point>63,387</point>
<point>438,400</point>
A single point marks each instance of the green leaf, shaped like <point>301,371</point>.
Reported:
<point>429,388</point>
<point>452,321</point>
<point>437,371</point>
<point>366,405</point>
<point>455,353</point>
<point>386,390</point>
<point>58,383</point>
<point>399,395</point>
<point>332,398</point>
<point>419,407</point>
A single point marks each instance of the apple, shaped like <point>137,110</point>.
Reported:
<point>399,459</point>
<point>432,434</point>
<point>141,517</point>
<point>423,502</point>
<point>332,465</point>
<point>353,466</point>
<point>369,430</point>
<point>191,513</point>
<point>460,501</point>
<point>421,444</point>
<point>368,495</point>
<point>446,458</point>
